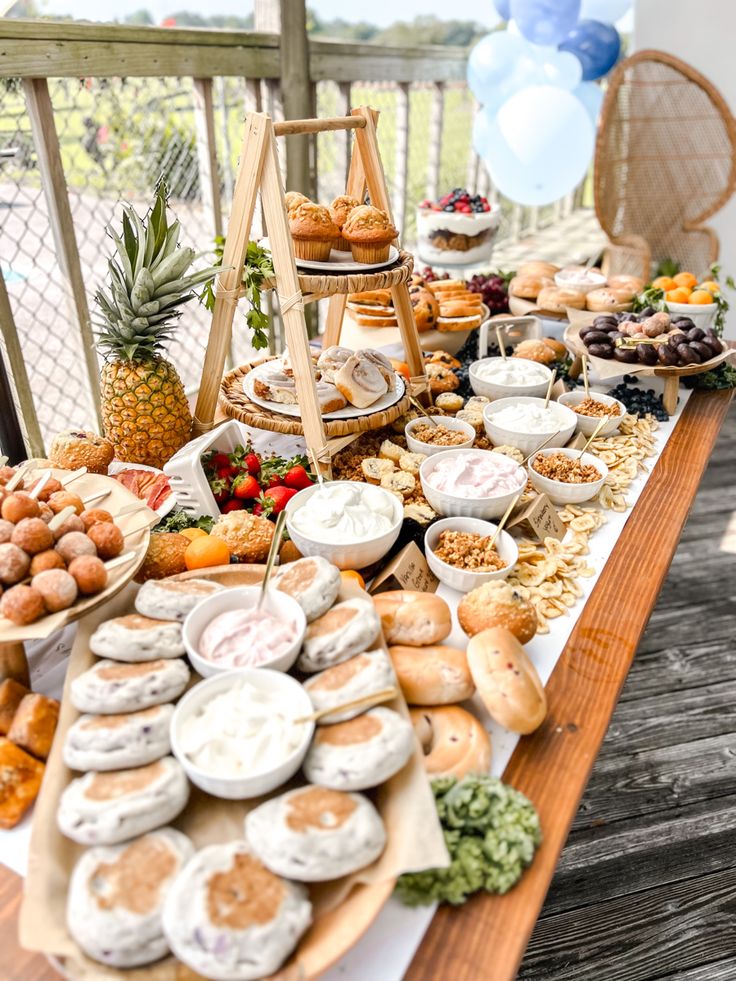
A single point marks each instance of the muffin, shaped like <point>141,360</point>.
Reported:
<point>293,199</point>
<point>313,231</point>
<point>339,211</point>
<point>78,448</point>
<point>370,233</point>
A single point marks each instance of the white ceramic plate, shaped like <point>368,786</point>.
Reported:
<point>349,412</point>
<point>342,262</point>
<point>169,502</point>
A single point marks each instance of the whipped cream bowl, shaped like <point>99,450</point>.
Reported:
<point>525,423</point>
<point>471,483</point>
<point>226,632</point>
<point>235,734</point>
<point>350,523</point>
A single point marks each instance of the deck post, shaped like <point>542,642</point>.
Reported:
<point>296,92</point>
<point>209,180</point>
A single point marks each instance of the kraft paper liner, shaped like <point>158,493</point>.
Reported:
<point>119,497</point>
<point>343,909</point>
<point>606,368</point>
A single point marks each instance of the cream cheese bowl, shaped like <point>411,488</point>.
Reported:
<point>527,442</point>
<point>280,605</point>
<point>454,505</point>
<point>463,580</point>
<point>561,492</point>
<point>345,554</point>
<point>261,781</point>
<point>493,389</point>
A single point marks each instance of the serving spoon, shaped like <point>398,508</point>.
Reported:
<point>272,553</point>
<point>375,698</point>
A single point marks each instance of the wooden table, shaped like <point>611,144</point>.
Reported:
<point>487,938</point>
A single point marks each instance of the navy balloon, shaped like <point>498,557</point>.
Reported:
<point>596,45</point>
<point>545,22</point>
<point>504,8</point>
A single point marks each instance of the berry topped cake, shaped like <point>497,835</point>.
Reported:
<point>458,229</point>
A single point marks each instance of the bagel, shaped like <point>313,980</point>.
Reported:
<point>433,675</point>
<point>413,618</point>
<point>453,741</point>
<point>537,267</point>
<point>631,284</point>
<point>607,300</point>
<point>527,287</point>
<point>557,300</point>
<point>534,350</point>
<point>507,681</point>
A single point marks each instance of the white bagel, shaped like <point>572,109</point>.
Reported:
<point>453,740</point>
<point>506,680</point>
<point>413,618</point>
<point>432,675</point>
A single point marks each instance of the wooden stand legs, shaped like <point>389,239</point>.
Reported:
<point>14,663</point>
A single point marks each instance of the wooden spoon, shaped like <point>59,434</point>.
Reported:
<point>272,553</point>
<point>385,695</point>
<point>593,435</point>
<point>552,381</point>
<point>504,519</point>
<point>501,345</point>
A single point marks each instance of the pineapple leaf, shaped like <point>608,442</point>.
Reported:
<point>131,242</point>
<point>157,221</point>
<point>124,258</point>
<point>140,232</point>
<point>142,291</point>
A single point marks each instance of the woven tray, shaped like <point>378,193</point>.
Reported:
<point>236,404</point>
<point>399,273</point>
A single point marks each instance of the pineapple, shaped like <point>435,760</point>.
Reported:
<point>144,408</point>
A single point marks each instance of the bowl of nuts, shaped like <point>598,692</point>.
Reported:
<point>565,476</point>
<point>459,552</point>
<point>591,408</point>
<point>448,434</point>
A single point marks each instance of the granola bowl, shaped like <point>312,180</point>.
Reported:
<point>586,424</point>
<point>562,491</point>
<point>461,579</point>
<point>415,445</point>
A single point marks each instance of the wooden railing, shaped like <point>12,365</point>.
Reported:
<point>423,149</point>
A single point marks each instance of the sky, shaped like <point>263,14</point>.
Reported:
<point>380,12</point>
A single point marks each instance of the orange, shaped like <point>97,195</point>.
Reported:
<point>192,533</point>
<point>711,285</point>
<point>350,575</point>
<point>205,552</point>
<point>402,367</point>
<point>679,295</point>
<point>700,297</point>
<point>664,283</point>
<point>686,279</point>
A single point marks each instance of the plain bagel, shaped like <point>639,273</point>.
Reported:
<point>413,618</point>
<point>432,675</point>
<point>507,681</point>
<point>453,741</point>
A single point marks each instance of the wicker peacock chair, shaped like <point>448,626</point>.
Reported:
<point>665,161</point>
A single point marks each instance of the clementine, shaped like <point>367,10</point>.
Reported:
<point>664,283</point>
<point>678,295</point>
<point>402,367</point>
<point>204,552</point>
<point>686,279</point>
<point>710,285</point>
<point>700,297</point>
<point>350,575</point>
<point>192,533</point>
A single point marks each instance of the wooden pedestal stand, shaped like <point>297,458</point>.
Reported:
<point>259,171</point>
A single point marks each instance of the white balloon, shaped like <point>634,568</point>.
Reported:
<point>540,145</point>
<point>606,11</point>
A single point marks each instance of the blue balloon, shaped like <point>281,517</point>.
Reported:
<point>491,61</point>
<point>504,8</point>
<point>545,21</point>
<point>539,145</point>
<point>606,11</point>
<point>596,45</point>
<point>483,132</point>
<point>591,95</point>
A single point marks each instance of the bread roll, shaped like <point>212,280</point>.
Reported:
<point>497,604</point>
<point>526,287</point>
<point>608,300</point>
<point>413,618</point>
<point>453,741</point>
<point>557,300</point>
<point>538,268</point>
<point>632,284</point>
<point>507,681</point>
<point>432,675</point>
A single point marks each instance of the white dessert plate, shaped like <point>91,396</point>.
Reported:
<point>349,412</point>
<point>342,262</point>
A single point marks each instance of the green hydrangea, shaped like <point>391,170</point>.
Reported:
<point>491,832</point>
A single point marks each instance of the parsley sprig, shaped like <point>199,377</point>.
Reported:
<point>257,268</point>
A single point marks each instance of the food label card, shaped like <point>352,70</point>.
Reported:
<point>577,442</point>
<point>541,516</point>
<point>407,570</point>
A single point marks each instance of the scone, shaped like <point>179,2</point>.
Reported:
<point>136,638</point>
<point>117,742</point>
<point>313,582</point>
<point>162,599</point>
<point>313,232</point>
<point>116,894</point>
<point>20,782</point>
<point>497,604</point>
<point>370,233</point>
<point>228,918</point>
<point>72,449</point>
<point>106,808</point>
<point>349,628</point>
<point>109,687</point>
<point>34,724</point>
<point>313,834</point>
<point>12,694</point>
<point>364,674</point>
<point>360,753</point>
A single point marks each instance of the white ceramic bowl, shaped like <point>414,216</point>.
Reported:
<point>345,555</point>
<point>463,580</point>
<point>417,446</point>
<point>586,424</point>
<point>260,781</point>
<point>495,390</point>
<point>526,442</point>
<point>566,282</point>
<point>701,314</point>
<point>451,505</point>
<point>560,492</point>
<point>281,605</point>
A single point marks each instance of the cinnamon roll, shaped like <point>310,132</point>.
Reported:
<point>381,362</point>
<point>331,360</point>
<point>360,381</point>
<point>273,384</point>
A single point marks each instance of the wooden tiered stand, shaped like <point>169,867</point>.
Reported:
<point>259,171</point>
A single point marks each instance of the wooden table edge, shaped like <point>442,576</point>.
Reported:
<point>488,936</point>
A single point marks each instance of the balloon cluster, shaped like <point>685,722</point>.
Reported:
<point>535,81</point>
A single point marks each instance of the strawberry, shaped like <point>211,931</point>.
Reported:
<point>252,463</point>
<point>297,478</point>
<point>232,505</point>
<point>219,461</point>
<point>275,482</point>
<point>245,487</point>
<point>278,498</point>
<point>258,508</point>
